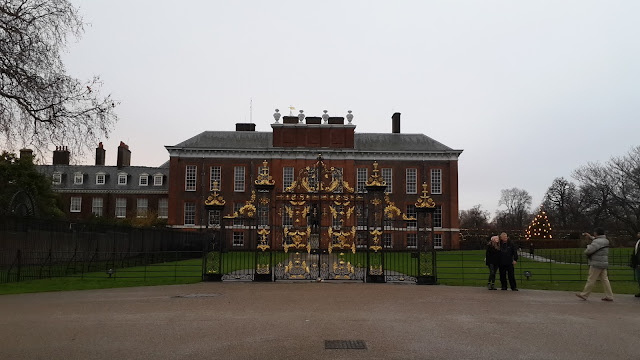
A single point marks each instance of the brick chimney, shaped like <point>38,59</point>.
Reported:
<point>124,155</point>
<point>100,155</point>
<point>61,155</point>
<point>245,127</point>
<point>26,154</point>
<point>395,123</point>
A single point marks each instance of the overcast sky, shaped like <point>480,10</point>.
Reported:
<point>530,90</point>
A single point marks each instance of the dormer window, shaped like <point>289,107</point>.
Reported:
<point>122,179</point>
<point>157,179</point>
<point>100,179</point>
<point>57,178</point>
<point>144,180</point>
<point>78,178</point>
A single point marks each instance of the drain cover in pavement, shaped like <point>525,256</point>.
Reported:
<point>196,295</point>
<point>345,344</point>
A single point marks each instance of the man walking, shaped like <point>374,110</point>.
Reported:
<point>598,256</point>
<point>508,258</point>
<point>635,262</point>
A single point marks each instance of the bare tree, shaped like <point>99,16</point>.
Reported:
<point>475,218</point>
<point>612,191</point>
<point>517,203</point>
<point>39,103</point>
<point>561,202</point>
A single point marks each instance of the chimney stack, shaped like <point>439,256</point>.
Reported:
<point>245,127</point>
<point>100,155</point>
<point>124,155</point>
<point>61,156</point>
<point>26,153</point>
<point>395,123</point>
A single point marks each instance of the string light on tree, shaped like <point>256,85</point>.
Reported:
<point>540,228</point>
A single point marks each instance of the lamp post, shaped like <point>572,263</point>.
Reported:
<point>426,205</point>
<point>264,184</point>
<point>375,186</point>
<point>212,269</point>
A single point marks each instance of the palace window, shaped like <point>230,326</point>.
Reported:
<point>214,218</point>
<point>78,178</point>
<point>337,176</point>
<point>437,217</point>
<point>144,180</point>
<point>412,181</point>
<point>215,176</point>
<point>121,208</point>
<point>437,241</point>
<point>190,178</point>
<point>76,204</point>
<point>411,212</point>
<point>122,179</point>
<point>436,181</point>
<point>361,179</point>
<point>238,239</point>
<point>237,222</point>
<point>336,223</point>
<point>287,177</point>
<point>57,178</point>
<point>97,206</point>
<point>189,213</point>
<point>412,241</point>
<point>157,179</point>
<point>263,216</point>
<point>163,208</point>
<point>143,207</point>
<point>238,179</point>
<point>100,178</point>
<point>387,175</point>
<point>386,241</point>
<point>287,220</point>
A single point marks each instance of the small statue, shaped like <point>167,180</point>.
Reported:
<point>301,116</point>
<point>325,117</point>
<point>349,116</point>
<point>277,115</point>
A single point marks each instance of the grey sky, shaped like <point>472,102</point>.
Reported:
<point>530,90</point>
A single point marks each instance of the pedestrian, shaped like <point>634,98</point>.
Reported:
<point>492,259</point>
<point>635,262</point>
<point>508,259</point>
<point>598,258</point>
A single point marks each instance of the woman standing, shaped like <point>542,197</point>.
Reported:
<point>492,259</point>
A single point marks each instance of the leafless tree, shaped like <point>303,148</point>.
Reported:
<point>39,103</point>
<point>562,202</point>
<point>612,191</point>
<point>475,218</point>
<point>517,203</point>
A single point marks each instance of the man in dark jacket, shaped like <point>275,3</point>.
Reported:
<point>508,258</point>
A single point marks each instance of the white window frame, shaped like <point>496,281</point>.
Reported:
<point>158,179</point>
<point>414,241</point>
<point>288,176</point>
<point>76,204</point>
<point>121,208</point>
<point>122,178</point>
<point>215,174</point>
<point>101,176</point>
<point>142,207</point>
<point>189,214</point>
<point>144,177</point>
<point>387,175</point>
<point>190,178</point>
<point>239,178</point>
<point>362,175</point>
<point>97,206</point>
<point>411,212</point>
<point>436,181</point>
<point>437,217</point>
<point>214,218</point>
<point>387,240</point>
<point>238,239</point>
<point>163,208</point>
<point>56,178</point>
<point>411,185</point>
<point>78,178</point>
<point>437,241</point>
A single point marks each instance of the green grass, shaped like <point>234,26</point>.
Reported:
<point>464,268</point>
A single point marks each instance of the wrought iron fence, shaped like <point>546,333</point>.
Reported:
<point>36,249</point>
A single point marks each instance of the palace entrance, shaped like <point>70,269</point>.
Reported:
<point>318,229</point>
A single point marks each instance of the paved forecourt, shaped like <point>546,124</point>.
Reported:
<point>293,320</point>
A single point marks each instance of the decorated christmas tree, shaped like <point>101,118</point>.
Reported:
<point>540,228</point>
